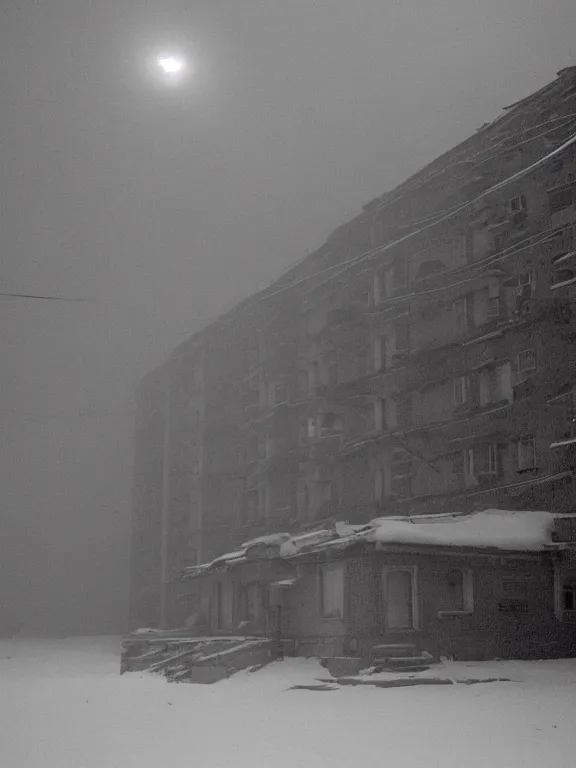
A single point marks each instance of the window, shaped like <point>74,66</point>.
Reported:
<point>526,361</point>
<point>332,591</point>
<point>330,424</point>
<point>517,204</point>
<point>381,353</point>
<point>481,460</point>
<point>401,335</point>
<point>278,394</point>
<point>460,315</point>
<point>524,278</point>
<point>526,453</point>
<point>461,388</point>
<point>380,414</point>
<point>569,596</point>
<point>366,299</point>
<point>379,492</point>
<point>493,306</point>
<point>562,198</point>
<point>457,592</point>
<point>495,385</point>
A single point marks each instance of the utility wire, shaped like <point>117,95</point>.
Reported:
<point>45,298</point>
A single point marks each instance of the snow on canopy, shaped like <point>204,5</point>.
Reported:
<point>490,528</point>
<point>495,528</point>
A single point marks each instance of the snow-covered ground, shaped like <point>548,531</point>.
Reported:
<point>64,705</point>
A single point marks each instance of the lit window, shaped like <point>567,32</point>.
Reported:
<point>526,453</point>
<point>332,591</point>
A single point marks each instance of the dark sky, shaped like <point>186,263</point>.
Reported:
<point>165,205</point>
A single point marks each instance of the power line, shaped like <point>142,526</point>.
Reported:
<point>495,188</point>
<point>45,298</point>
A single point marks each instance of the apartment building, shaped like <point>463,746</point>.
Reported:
<point>422,360</point>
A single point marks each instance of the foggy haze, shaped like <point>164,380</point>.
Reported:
<point>166,205</point>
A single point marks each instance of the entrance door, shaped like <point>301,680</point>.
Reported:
<point>399,599</point>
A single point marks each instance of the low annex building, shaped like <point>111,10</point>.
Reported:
<point>487,584</point>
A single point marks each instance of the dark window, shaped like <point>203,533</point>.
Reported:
<point>569,597</point>
<point>526,453</point>
<point>455,590</point>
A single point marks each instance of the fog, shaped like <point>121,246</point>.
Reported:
<point>164,205</point>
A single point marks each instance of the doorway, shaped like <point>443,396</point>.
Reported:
<point>400,604</point>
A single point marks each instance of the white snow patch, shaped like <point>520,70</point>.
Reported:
<point>64,705</point>
<point>501,529</point>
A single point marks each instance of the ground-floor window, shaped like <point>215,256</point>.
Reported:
<point>456,593</point>
<point>332,590</point>
<point>569,596</point>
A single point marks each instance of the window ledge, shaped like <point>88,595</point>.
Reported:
<point>447,614</point>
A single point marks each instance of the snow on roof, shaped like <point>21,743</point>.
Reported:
<point>490,528</point>
<point>270,540</point>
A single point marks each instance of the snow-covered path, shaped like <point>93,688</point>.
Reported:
<point>64,705</point>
